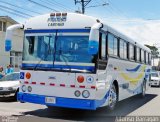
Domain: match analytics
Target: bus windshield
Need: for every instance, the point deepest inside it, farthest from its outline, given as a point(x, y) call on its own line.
point(64, 49)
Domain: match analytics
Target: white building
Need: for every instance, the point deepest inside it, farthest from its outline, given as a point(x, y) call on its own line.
point(13, 57)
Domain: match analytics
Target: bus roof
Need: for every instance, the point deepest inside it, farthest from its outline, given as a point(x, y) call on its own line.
point(72, 21)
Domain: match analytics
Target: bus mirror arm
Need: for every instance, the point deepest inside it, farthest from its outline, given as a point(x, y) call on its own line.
point(9, 35)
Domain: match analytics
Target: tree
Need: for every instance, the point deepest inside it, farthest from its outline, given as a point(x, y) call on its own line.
point(154, 50)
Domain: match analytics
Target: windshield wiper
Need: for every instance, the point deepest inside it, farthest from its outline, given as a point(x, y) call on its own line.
point(55, 51)
point(48, 52)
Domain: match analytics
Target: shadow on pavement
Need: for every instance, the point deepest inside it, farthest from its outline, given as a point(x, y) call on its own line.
point(123, 108)
point(7, 99)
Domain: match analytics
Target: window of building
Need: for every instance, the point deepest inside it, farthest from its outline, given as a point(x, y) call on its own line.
point(0, 25)
point(15, 59)
point(4, 26)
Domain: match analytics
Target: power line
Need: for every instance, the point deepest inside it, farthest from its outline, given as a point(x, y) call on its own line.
point(19, 7)
point(42, 5)
point(61, 5)
point(15, 10)
point(13, 13)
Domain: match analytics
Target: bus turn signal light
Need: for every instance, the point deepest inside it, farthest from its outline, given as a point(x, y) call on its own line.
point(80, 79)
point(28, 75)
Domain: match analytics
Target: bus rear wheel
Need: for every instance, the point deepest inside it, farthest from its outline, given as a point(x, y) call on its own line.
point(143, 93)
point(113, 98)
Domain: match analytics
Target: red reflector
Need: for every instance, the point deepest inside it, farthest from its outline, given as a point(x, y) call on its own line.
point(42, 83)
point(82, 86)
point(52, 84)
point(63, 85)
point(33, 82)
point(72, 86)
point(26, 82)
point(93, 87)
point(80, 79)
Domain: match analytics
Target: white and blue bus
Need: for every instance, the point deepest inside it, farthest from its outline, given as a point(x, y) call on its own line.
point(76, 61)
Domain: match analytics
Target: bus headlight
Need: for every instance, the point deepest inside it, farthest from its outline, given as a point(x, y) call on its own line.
point(85, 94)
point(29, 88)
point(77, 93)
point(23, 88)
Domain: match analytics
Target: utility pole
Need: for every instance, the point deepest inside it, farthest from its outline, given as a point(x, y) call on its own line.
point(84, 3)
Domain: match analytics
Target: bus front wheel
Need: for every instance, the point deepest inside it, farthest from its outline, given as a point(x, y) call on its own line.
point(113, 98)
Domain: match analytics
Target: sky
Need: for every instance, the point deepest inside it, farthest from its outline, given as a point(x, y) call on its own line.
point(138, 19)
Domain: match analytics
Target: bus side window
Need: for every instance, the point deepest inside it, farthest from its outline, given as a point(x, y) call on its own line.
point(110, 44)
point(125, 50)
point(149, 58)
point(142, 56)
point(147, 62)
point(121, 48)
point(103, 47)
point(138, 54)
point(115, 46)
point(131, 52)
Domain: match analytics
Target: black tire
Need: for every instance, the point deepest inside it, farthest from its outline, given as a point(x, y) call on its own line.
point(15, 96)
point(143, 87)
point(113, 98)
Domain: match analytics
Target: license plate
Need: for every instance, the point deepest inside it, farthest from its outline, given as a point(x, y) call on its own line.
point(50, 100)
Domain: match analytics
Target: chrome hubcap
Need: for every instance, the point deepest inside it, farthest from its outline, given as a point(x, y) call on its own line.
point(112, 97)
point(144, 89)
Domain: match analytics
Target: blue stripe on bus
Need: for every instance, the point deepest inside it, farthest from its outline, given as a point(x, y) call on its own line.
point(63, 102)
point(134, 69)
point(58, 30)
point(48, 66)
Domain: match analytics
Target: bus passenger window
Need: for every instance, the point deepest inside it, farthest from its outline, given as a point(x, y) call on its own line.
point(138, 54)
point(125, 50)
point(115, 46)
point(142, 56)
point(103, 46)
point(110, 44)
point(121, 48)
point(131, 52)
point(147, 58)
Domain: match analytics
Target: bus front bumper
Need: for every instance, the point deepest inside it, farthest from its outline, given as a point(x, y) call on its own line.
point(61, 102)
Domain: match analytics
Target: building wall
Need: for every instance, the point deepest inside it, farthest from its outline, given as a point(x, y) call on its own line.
point(17, 45)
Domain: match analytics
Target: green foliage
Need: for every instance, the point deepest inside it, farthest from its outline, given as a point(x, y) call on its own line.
point(154, 50)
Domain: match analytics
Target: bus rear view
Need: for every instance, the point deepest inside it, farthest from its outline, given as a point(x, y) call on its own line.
point(75, 61)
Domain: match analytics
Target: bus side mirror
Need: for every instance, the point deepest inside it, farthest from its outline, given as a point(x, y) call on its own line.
point(93, 47)
point(8, 45)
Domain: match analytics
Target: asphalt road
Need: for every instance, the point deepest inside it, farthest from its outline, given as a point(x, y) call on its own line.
point(134, 106)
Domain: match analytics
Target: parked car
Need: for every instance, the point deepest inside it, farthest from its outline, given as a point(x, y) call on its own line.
point(155, 79)
point(9, 84)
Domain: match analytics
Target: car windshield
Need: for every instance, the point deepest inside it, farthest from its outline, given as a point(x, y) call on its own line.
point(68, 49)
point(154, 74)
point(10, 77)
